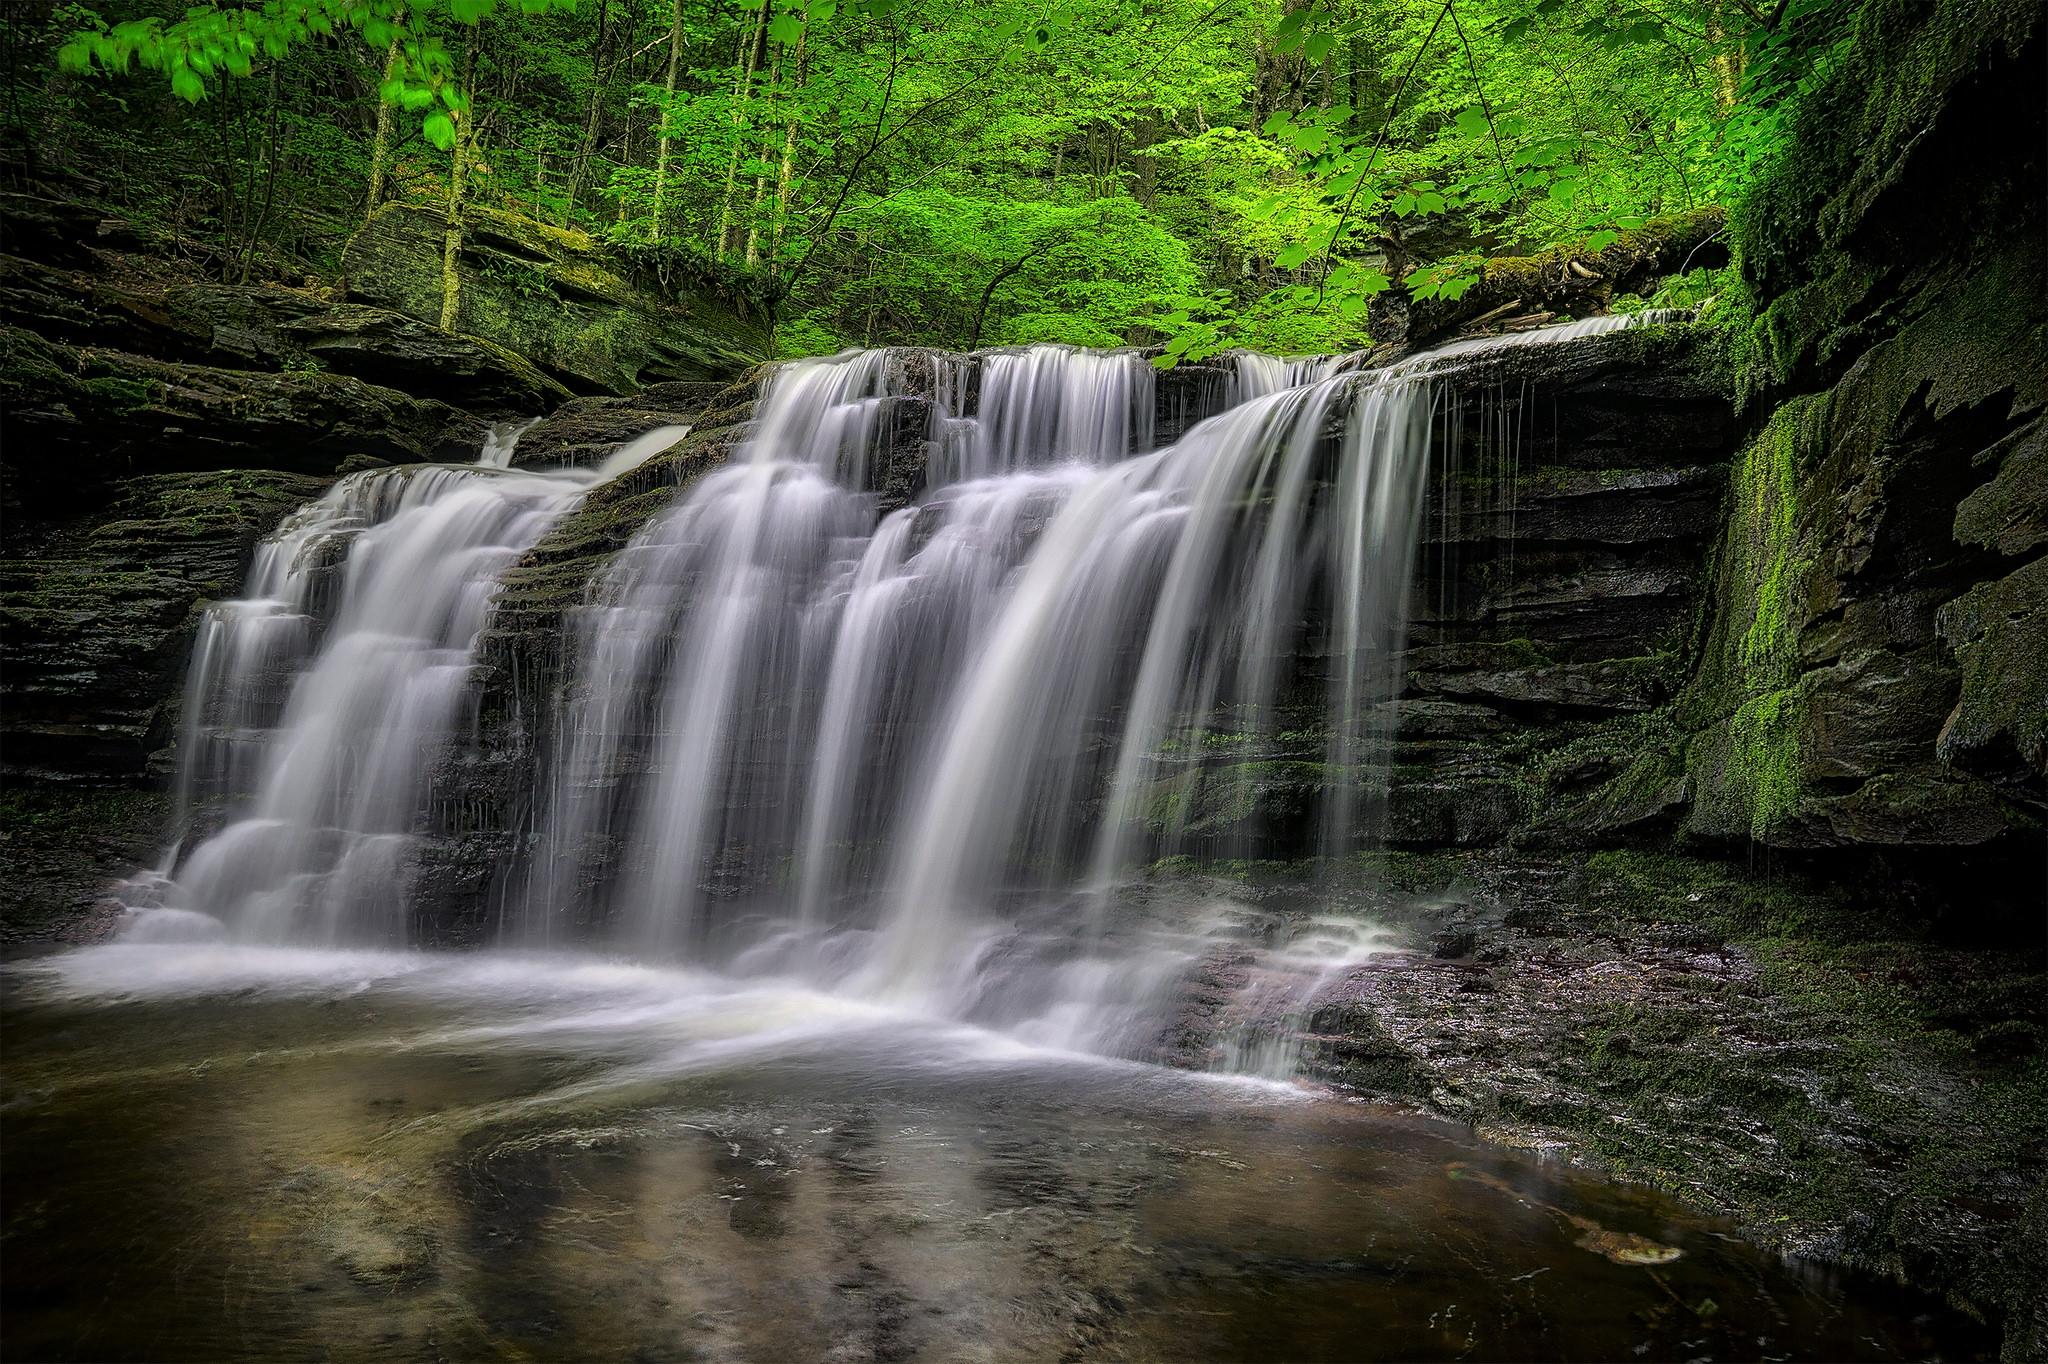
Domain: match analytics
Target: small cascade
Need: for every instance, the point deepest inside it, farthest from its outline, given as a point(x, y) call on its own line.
point(639, 450)
point(1253, 375)
point(317, 704)
point(501, 442)
point(1050, 404)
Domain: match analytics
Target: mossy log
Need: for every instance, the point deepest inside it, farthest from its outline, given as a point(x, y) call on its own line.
point(1566, 281)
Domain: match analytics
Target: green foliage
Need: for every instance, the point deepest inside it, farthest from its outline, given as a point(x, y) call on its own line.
point(215, 41)
point(1115, 171)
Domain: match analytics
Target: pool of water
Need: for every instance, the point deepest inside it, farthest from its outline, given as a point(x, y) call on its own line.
point(215, 1153)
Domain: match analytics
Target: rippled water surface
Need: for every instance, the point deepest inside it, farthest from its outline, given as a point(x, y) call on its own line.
point(218, 1153)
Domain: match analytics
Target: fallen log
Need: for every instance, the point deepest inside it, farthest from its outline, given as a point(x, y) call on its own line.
point(1566, 281)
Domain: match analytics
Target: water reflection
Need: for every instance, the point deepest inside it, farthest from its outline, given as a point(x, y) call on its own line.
point(232, 1154)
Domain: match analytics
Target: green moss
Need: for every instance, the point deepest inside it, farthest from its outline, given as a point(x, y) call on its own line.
point(1233, 797)
point(121, 394)
point(1767, 510)
point(1885, 86)
point(1764, 758)
point(1865, 1051)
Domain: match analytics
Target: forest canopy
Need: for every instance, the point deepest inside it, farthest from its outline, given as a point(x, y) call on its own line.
point(1201, 173)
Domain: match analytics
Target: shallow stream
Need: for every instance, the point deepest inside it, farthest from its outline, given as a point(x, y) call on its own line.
point(219, 1152)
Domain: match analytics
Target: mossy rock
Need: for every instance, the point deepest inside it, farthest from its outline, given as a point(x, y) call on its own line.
point(595, 319)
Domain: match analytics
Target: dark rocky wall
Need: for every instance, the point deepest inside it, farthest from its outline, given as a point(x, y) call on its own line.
point(1875, 679)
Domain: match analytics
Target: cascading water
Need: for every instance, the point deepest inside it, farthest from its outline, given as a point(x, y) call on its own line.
point(317, 704)
point(914, 756)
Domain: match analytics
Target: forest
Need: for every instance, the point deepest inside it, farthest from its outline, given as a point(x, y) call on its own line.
point(1096, 172)
point(1212, 681)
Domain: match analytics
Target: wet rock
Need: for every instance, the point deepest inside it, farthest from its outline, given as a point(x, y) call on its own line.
point(1185, 395)
point(1627, 1018)
point(97, 614)
point(1999, 727)
point(59, 844)
point(75, 421)
point(586, 431)
point(1455, 943)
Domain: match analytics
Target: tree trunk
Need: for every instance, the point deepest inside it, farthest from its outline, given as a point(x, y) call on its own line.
point(1145, 132)
point(753, 256)
point(593, 115)
point(664, 147)
point(451, 237)
point(380, 145)
point(994, 282)
point(785, 181)
point(750, 62)
point(261, 218)
point(458, 182)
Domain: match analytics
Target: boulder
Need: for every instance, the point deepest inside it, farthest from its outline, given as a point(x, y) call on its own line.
point(599, 320)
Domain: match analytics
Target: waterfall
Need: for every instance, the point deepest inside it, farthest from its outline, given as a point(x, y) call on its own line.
point(912, 731)
point(914, 755)
point(317, 704)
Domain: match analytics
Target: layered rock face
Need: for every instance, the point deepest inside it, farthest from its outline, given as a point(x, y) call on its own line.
point(1875, 678)
point(600, 321)
point(154, 427)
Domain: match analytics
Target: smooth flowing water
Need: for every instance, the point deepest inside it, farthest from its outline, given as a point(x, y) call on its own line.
point(912, 757)
point(226, 1152)
point(317, 703)
point(913, 754)
point(862, 753)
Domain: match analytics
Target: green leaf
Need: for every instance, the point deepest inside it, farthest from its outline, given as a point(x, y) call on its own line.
point(1602, 239)
point(1472, 123)
point(186, 85)
point(440, 130)
point(785, 28)
point(1293, 255)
